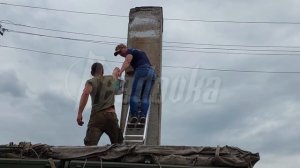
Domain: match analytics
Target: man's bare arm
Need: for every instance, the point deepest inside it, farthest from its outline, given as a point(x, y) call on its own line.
point(83, 101)
point(126, 63)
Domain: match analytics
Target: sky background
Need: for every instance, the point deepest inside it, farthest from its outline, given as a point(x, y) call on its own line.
point(258, 112)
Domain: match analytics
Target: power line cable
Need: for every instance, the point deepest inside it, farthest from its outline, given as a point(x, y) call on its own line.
point(57, 30)
point(170, 42)
point(233, 53)
point(167, 66)
point(170, 19)
point(57, 54)
point(64, 38)
point(235, 70)
point(63, 10)
point(234, 45)
point(235, 22)
point(232, 49)
point(166, 49)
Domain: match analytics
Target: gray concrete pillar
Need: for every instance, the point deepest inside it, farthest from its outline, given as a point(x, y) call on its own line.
point(145, 30)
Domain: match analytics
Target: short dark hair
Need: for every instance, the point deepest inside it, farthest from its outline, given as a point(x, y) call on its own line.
point(97, 67)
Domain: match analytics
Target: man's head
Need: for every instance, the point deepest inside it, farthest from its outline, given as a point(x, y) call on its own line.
point(97, 69)
point(121, 49)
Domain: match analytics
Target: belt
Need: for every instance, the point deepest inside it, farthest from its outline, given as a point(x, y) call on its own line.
point(144, 66)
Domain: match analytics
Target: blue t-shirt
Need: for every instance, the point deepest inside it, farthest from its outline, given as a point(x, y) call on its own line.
point(139, 58)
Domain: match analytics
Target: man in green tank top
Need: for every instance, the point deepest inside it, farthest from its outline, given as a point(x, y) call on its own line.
point(103, 118)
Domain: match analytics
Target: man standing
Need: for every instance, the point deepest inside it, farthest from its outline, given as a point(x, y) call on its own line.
point(103, 118)
point(143, 80)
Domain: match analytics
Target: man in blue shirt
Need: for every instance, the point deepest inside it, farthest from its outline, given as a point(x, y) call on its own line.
point(143, 80)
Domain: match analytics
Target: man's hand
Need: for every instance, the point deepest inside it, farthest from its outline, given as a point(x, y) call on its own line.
point(79, 120)
point(120, 73)
point(116, 72)
point(83, 100)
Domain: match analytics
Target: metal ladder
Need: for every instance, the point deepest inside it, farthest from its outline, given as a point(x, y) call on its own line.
point(136, 135)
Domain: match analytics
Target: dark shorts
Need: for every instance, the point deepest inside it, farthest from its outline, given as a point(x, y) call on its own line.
point(103, 122)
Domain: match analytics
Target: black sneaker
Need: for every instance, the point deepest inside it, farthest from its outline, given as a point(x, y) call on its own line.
point(142, 120)
point(133, 120)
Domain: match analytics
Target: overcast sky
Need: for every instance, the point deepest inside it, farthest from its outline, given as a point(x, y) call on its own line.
point(258, 112)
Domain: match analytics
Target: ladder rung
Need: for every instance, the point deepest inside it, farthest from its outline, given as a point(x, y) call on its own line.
point(133, 141)
point(134, 135)
point(135, 128)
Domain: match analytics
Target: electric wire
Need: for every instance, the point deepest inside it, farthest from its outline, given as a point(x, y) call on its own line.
point(166, 66)
point(169, 19)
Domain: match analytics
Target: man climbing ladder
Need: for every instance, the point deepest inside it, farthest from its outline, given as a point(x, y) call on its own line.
point(143, 81)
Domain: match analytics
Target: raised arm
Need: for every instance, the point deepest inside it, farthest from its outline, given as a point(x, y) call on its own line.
point(126, 63)
point(83, 101)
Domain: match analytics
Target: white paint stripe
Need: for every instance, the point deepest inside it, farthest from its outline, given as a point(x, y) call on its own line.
point(148, 33)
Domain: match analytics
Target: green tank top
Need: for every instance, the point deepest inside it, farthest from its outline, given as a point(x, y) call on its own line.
point(103, 92)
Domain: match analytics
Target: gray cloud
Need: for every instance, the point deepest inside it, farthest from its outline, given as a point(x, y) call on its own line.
point(254, 111)
point(10, 84)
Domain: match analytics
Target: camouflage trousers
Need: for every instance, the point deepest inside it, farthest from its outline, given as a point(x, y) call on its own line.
point(103, 122)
